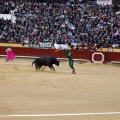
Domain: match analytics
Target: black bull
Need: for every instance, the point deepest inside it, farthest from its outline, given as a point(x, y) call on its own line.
point(46, 61)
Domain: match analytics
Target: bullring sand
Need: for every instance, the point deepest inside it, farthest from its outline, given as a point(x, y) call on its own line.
point(42, 94)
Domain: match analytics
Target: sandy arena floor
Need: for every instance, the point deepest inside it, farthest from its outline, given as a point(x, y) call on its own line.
point(93, 93)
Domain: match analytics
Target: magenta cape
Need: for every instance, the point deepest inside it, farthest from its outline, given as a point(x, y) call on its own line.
point(10, 55)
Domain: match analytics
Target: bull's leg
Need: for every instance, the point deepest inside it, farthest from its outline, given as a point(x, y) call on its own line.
point(52, 67)
point(39, 66)
point(36, 67)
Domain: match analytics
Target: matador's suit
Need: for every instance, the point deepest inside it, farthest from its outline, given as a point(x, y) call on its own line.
point(69, 55)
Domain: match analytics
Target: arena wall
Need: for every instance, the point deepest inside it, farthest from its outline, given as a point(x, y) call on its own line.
point(79, 55)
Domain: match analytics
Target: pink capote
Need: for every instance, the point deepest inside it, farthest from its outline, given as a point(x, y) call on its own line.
point(10, 55)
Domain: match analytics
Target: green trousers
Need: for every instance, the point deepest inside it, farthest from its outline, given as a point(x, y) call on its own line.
point(71, 63)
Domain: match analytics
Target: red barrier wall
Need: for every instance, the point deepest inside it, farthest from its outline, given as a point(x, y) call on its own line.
point(109, 56)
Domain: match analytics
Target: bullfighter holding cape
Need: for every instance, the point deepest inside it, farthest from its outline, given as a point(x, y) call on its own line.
point(10, 54)
point(69, 55)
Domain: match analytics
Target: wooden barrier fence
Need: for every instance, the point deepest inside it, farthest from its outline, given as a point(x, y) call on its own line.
point(79, 55)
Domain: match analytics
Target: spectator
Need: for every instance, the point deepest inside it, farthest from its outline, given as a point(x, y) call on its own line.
point(60, 22)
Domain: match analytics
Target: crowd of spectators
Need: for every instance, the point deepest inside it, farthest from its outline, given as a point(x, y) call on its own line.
point(60, 22)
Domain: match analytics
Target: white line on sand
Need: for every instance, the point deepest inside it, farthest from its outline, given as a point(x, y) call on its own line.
point(58, 115)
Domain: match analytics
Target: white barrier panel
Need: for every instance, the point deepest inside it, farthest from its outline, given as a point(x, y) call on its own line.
point(41, 45)
point(104, 2)
point(45, 45)
point(9, 17)
point(95, 53)
point(6, 16)
point(60, 46)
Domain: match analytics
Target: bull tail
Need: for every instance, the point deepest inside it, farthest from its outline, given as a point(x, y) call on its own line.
point(33, 63)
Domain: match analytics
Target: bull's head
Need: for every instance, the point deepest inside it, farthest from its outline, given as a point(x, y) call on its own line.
point(57, 62)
